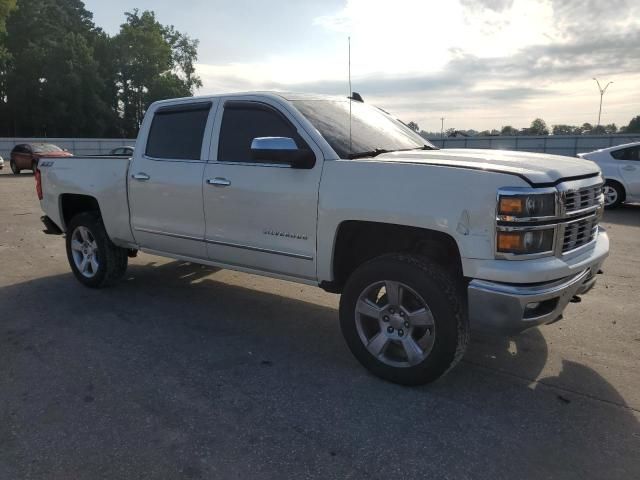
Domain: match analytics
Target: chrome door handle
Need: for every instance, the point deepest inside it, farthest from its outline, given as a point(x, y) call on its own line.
point(218, 182)
point(629, 168)
point(143, 177)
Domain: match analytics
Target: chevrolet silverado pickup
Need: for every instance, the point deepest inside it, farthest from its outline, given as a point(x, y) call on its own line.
point(424, 245)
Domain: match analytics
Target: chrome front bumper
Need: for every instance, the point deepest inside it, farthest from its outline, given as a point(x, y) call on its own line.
point(510, 308)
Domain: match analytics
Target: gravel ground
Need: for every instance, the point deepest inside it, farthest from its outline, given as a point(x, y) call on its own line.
point(183, 371)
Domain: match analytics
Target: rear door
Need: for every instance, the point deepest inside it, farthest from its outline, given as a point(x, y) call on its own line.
point(260, 215)
point(628, 163)
point(165, 179)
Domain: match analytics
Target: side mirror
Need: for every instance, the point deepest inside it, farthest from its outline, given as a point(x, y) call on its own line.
point(281, 150)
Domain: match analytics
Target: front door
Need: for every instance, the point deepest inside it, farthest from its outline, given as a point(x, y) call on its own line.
point(260, 215)
point(165, 184)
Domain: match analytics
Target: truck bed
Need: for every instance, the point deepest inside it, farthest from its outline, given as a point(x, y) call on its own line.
point(101, 177)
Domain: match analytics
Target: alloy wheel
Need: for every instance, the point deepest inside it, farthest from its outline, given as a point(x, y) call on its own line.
point(395, 324)
point(84, 250)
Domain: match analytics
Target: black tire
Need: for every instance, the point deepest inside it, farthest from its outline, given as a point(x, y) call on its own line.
point(443, 294)
point(619, 191)
point(14, 167)
point(112, 260)
point(34, 166)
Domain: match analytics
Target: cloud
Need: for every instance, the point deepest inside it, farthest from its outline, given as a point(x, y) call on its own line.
point(496, 5)
point(479, 59)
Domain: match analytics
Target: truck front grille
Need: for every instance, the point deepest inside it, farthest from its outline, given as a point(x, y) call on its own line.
point(579, 233)
point(583, 198)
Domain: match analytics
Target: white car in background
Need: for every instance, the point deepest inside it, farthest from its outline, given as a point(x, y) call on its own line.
point(621, 169)
point(1, 163)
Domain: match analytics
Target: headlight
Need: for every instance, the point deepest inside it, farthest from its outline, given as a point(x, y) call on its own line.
point(525, 242)
point(526, 206)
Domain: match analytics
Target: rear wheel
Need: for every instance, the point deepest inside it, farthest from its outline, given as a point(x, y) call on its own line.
point(14, 167)
point(404, 319)
point(95, 261)
point(613, 194)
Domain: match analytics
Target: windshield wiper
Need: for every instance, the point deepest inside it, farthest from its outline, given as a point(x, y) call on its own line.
point(380, 151)
point(370, 153)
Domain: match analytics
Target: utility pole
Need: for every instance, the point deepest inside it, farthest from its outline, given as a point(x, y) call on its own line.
point(602, 91)
point(442, 128)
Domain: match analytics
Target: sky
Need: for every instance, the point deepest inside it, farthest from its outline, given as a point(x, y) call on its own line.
point(480, 64)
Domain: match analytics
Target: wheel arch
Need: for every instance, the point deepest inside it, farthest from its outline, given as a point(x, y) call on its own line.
point(358, 241)
point(72, 204)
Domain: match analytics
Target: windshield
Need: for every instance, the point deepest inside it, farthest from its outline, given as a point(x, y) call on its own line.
point(46, 148)
point(372, 130)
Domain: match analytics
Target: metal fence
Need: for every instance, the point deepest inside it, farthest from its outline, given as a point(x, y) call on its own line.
point(77, 146)
point(568, 145)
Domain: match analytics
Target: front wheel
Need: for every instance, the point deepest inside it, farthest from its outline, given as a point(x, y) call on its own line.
point(95, 261)
point(14, 167)
point(404, 318)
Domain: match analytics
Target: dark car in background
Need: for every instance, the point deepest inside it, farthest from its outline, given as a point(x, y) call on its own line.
point(122, 152)
point(25, 156)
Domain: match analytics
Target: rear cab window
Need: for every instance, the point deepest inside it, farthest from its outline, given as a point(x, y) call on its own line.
point(177, 132)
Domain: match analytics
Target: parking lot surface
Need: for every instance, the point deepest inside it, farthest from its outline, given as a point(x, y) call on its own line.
point(182, 371)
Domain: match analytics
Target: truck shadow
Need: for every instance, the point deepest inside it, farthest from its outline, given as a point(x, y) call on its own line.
point(177, 349)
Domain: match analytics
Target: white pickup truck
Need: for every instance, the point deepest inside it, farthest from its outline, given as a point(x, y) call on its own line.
point(423, 244)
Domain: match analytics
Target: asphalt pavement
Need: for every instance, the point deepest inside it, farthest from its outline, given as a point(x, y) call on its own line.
point(183, 371)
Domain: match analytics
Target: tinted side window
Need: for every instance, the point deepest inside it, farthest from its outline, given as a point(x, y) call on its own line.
point(177, 132)
point(631, 153)
point(244, 121)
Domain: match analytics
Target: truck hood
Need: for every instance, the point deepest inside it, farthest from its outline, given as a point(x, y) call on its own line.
point(539, 169)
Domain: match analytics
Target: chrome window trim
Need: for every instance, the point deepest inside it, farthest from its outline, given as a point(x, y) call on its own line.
point(251, 164)
point(173, 160)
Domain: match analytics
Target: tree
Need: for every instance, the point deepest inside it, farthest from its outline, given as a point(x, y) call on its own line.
point(6, 7)
point(634, 125)
point(538, 127)
point(565, 130)
point(63, 76)
point(509, 130)
point(585, 129)
point(52, 83)
point(154, 63)
point(413, 126)
point(611, 129)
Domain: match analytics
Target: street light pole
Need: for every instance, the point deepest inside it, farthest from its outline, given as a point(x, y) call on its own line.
point(602, 91)
point(442, 128)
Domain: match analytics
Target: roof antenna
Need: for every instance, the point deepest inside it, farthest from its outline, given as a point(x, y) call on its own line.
point(350, 100)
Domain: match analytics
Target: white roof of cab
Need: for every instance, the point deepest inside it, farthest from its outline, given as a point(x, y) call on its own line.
point(291, 96)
